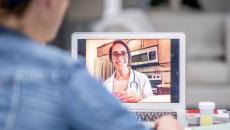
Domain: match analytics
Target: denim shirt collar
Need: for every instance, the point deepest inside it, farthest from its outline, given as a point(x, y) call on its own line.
point(9, 31)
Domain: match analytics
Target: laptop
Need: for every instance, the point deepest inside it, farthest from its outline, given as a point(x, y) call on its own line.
point(159, 56)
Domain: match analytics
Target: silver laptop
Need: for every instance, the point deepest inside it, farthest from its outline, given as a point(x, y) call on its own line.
point(160, 56)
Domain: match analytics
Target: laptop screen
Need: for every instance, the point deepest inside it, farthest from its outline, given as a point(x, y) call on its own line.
point(150, 74)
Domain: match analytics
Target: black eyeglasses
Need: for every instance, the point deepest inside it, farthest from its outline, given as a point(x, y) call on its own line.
point(116, 54)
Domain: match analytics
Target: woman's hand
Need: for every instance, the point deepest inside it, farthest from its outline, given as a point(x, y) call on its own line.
point(127, 97)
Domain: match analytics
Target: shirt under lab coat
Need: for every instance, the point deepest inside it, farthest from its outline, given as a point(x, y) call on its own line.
point(142, 89)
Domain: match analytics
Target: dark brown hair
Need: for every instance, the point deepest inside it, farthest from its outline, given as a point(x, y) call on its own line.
point(122, 43)
point(15, 7)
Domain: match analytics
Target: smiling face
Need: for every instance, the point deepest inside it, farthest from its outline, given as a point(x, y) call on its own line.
point(120, 57)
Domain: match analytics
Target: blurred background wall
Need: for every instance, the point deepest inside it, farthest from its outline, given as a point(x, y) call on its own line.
point(206, 24)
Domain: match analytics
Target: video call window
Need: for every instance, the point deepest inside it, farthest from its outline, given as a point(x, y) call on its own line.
point(153, 67)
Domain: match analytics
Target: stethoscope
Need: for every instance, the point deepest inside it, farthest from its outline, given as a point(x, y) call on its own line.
point(133, 84)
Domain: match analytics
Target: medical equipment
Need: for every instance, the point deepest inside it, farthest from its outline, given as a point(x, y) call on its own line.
point(134, 84)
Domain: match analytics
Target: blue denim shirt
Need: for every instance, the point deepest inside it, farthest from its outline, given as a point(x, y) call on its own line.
point(41, 88)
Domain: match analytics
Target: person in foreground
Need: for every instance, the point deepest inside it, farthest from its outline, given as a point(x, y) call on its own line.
point(128, 85)
point(41, 88)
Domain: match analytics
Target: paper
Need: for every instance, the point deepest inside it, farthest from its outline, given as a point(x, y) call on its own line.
point(224, 126)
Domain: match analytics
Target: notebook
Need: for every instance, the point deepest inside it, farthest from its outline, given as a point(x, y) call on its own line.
point(158, 56)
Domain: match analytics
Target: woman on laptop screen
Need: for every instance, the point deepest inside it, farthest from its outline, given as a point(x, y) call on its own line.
point(127, 85)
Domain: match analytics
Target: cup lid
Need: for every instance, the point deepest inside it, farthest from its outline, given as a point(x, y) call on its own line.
point(206, 105)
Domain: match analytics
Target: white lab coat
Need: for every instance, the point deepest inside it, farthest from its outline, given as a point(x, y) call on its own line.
point(143, 89)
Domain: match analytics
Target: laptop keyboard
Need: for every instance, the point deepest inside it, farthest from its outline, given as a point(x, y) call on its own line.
point(152, 116)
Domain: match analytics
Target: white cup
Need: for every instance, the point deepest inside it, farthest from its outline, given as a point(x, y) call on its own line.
point(206, 113)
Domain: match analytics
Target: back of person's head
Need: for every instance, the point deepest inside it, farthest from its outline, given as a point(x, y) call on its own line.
point(122, 43)
point(15, 7)
point(38, 19)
